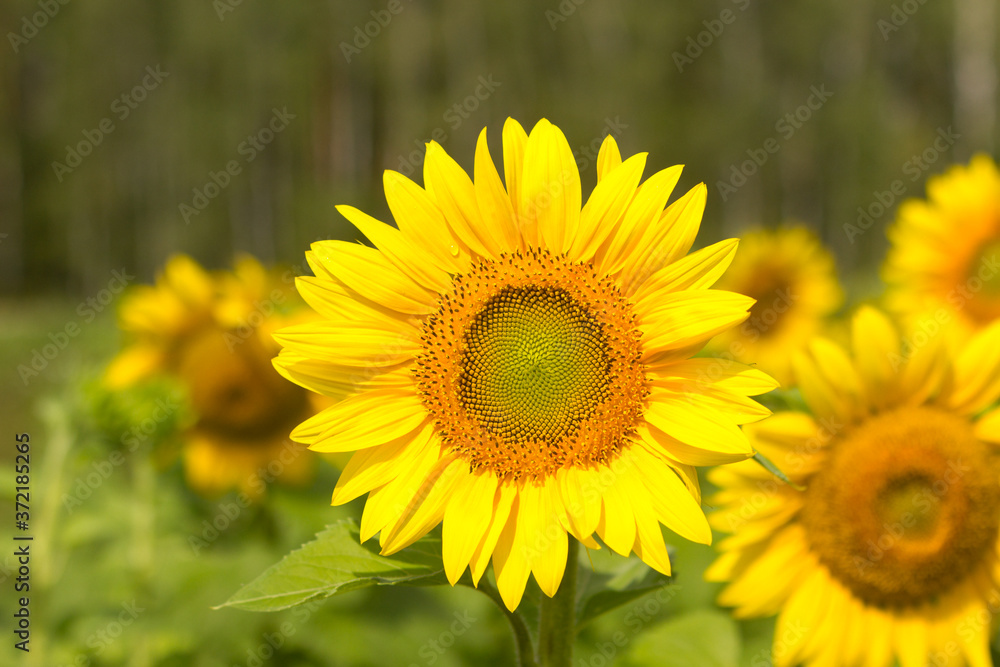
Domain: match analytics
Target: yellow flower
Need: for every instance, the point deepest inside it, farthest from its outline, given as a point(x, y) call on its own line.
point(213, 332)
point(520, 364)
point(794, 280)
point(892, 548)
point(945, 256)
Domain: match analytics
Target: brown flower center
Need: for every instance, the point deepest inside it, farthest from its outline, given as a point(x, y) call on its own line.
point(907, 505)
point(234, 390)
point(531, 363)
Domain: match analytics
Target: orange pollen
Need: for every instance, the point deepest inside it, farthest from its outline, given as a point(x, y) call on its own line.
point(530, 364)
point(906, 506)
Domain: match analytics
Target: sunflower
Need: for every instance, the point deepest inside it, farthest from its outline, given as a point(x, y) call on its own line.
point(213, 333)
point(945, 252)
point(519, 366)
point(794, 280)
point(892, 548)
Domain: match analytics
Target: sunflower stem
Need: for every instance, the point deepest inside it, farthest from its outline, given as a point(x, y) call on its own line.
point(557, 626)
point(522, 638)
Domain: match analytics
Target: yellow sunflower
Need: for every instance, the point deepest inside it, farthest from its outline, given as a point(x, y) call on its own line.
point(945, 254)
point(892, 548)
point(213, 332)
point(794, 280)
point(519, 363)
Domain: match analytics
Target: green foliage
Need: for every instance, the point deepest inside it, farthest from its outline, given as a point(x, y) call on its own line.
point(336, 562)
point(705, 638)
point(612, 582)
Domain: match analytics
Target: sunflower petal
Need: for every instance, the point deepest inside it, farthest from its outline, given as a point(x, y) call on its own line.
point(608, 157)
point(348, 424)
point(643, 213)
point(503, 502)
point(426, 509)
point(452, 189)
point(678, 320)
point(494, 204)
point(420, 219)
point(606, 206)
point(514, 141)
point(688, 420)
point(699, 270)
point(550, 191)
point(395, 246)
point(466, 521)
point(356, 264)
point(510, 561)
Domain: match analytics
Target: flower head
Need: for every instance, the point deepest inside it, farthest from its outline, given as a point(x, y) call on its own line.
point(518, 363)
point(794, 280)
point(944, 262)
point(213, 333)
point(891, 549)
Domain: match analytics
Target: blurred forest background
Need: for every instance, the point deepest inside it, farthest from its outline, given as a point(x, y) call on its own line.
point(131, 131)
point(366, 96)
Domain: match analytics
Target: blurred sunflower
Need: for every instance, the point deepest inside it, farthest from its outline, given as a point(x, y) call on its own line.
point(794, 281)
point(520, 367)
point(945, 251)
point(213, 333)
point(892, 549)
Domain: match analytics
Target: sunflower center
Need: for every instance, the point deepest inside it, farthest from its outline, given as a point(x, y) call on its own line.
point(534, 364)
point(907, 505)
point(233, 388)
point(531, 363)
point(774, 298)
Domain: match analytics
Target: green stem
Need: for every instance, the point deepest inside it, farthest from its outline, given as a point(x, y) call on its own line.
point(557, 628)
point(522, 638)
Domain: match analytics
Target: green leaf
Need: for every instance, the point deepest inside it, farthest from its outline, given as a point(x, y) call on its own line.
point(776, 471)
point(609, 581)
point(336, 562)
point(706, 638)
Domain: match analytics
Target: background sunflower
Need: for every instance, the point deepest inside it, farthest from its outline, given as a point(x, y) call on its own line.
point(794, 281)
point(212, 333)
point(890, 551)
point(944, 262)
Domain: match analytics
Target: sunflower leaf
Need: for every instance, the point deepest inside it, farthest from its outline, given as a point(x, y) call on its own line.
point(608, 581)
point(336, 562)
